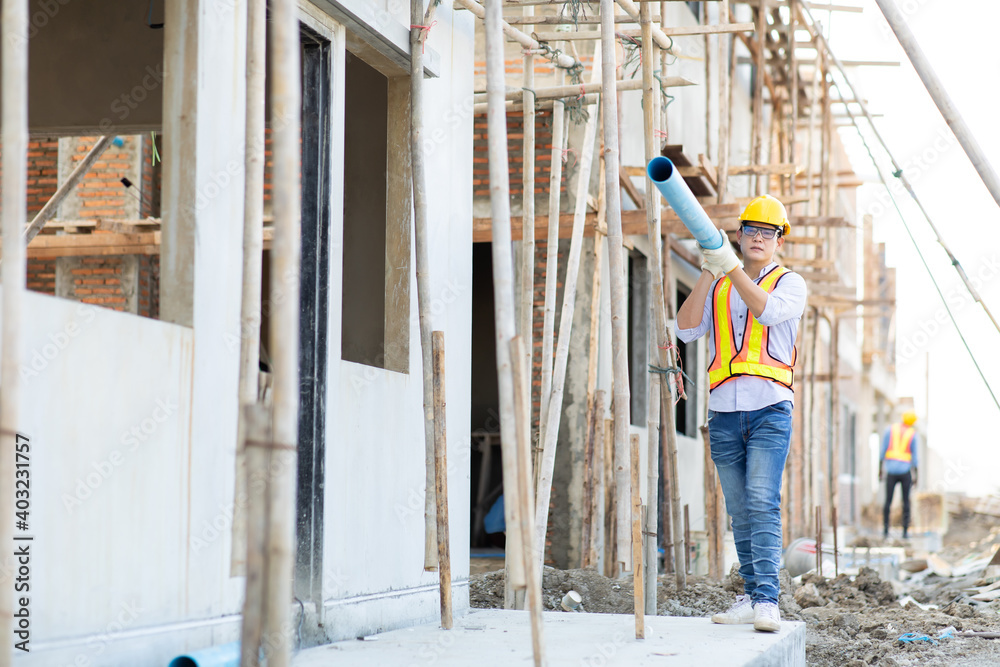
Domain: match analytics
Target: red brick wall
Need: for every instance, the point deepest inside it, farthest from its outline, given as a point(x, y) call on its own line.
point(43, 177)
point(42, 275)
point(149, 286)
point(515, 153)
point(101, 193)
point(43, 171)
point(151, 178)
point(98, 281)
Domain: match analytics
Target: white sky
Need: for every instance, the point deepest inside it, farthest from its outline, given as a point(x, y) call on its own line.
point(959, 40)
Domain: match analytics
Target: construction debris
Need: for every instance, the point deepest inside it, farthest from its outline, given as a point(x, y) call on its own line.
point(851, 620)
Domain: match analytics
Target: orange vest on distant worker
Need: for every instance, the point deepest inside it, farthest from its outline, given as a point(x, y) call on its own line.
point(752, 357)
point(900, 440)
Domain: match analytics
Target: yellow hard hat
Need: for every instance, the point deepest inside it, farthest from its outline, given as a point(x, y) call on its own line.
point(769, 211)
point(909, 417)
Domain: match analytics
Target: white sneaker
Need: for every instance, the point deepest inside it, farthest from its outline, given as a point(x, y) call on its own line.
point(740, 612)
point(766, 617)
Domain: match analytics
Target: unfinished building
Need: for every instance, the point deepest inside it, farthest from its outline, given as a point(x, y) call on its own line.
point(133, 322)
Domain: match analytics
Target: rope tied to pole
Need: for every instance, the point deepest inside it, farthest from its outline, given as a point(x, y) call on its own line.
point(422, 38)
point(675, 375)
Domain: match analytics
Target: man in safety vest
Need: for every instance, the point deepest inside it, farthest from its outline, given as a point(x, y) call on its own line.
point(898, 465)
point(751, 316)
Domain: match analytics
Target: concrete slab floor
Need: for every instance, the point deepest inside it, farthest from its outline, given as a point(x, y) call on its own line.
point(492, 637)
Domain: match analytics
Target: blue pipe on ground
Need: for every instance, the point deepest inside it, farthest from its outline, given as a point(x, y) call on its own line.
point(671, 185)
point(227, 655)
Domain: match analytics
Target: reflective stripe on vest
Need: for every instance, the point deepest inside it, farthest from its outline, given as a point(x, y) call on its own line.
point(752, 358)
point(900, 439)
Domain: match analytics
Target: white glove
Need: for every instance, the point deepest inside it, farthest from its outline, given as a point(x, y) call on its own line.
point(721, 260)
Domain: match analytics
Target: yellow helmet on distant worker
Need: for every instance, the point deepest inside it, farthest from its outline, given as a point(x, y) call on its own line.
point(769, 211)
point(909, 417)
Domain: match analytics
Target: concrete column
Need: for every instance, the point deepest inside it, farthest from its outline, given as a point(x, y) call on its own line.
point(201, 260)
point(182, 67)
point(566, 520)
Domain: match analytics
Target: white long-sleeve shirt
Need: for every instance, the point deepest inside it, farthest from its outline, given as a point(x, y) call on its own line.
point(784, 308)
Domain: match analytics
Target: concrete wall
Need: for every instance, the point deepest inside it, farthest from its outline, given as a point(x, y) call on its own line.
point(107, 405)
point(132, 560)
point(374, 533)
point(140, 572)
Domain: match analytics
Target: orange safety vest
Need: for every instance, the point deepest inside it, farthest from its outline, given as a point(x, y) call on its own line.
point(752, 357)
point(900, 439)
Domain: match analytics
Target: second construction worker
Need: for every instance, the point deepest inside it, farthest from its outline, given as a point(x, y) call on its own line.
point(897, 464)
point(751, 315)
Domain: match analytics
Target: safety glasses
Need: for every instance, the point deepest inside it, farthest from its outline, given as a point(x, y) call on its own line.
point(765, 232)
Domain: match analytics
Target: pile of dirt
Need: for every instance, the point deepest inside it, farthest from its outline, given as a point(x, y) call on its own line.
point(602, 595)
point(865, 590)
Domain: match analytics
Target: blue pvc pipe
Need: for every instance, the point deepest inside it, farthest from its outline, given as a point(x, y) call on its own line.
point(227, 655)
point(673, 188)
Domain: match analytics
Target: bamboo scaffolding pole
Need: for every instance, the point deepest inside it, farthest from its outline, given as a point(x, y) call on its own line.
point(480, 108)
point(503, 294)
point(834, 470)
point(560, 60)
point(819, 540)
point(602, 463)
point(257, 434)
point(836, 553)
point(652, 483)
point(940, 96)
point(722, 162)
point(253, 259)
point(418, 35)
point(285, 258)
point(554, 410)
point(659, 32)
point(518, 3)
point(797, 453)
point(821, 42)
point(533, 575)
point(441, 480)
point(527, 282)
point(616, 266)
point(793, 76)
point(665, 357)
point(576, 90)
point(711, 507)
point(560, 20)
point(687, 538)
point(52, 205)
point(756, 148)
point(667, 464)
point(687, 31)
point(709, 62)
point(812, 208)
point(597, 506)
point(815, 488)
point(587, 516)
point(552, 260)
point(638, 590)
point(662, 120)
point(610, 499)
point(650, 121)
point(826, 138)
point(13, 269)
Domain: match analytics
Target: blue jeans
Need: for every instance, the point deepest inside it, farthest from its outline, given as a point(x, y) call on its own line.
point(749, 450)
